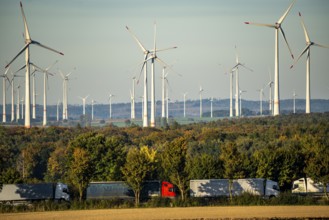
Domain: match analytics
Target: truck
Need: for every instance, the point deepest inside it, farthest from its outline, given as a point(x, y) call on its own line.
point(226, 187)
point(121, 190)
point(12, 193)
point(306, 186)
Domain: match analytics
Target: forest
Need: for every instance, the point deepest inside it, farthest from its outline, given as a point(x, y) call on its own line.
point(282, 148)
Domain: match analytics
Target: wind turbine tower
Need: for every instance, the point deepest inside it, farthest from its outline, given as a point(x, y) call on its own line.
point(28, 42)
point(307, 50)
point(200, 93)
point(4, 78)
point(277, 26)
point(294, 96)
point(17, 104)
point(110, 99)
point(185, 104)
point(241, 91)
point(132, 99)
point(84, 104)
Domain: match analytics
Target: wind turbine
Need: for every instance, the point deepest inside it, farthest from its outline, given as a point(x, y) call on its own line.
point(261, 94)
point(240, 93)
point(65, 82)
point(4, 78)
point(12, 96)
point(211, 101)
point(231, 91)
point(92, 109)
point(132, 100)
point(269, 84)
point(110, 99)
point(45, 83)
point(184, 94)
point(33, 87)
point(57, 113)
point(152, 57)
point(22, 105)
point(294, 96)
point(200, 93)
point(84, 104)
point(28, 42)
point(307, 50)
point(17, 105)
point(237, 86)
point(277, 27)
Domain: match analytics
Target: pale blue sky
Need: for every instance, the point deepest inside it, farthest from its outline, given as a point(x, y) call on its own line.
point(93, 37)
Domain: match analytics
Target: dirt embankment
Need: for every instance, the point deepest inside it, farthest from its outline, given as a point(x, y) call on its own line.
point(249, 212)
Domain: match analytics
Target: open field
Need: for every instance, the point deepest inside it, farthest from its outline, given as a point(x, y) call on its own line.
point(181, 213)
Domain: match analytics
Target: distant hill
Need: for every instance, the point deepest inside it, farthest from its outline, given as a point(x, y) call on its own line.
point(176, 109)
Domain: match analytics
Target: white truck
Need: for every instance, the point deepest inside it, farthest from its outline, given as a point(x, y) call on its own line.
point(13, 193)
point(225, 187)
point(306, 186)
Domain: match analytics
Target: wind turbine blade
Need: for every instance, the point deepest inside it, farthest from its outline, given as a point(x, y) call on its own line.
point(259, 24)
point(307, 38)
point(286, 13)
point(145, 60)
point(62, 75)
point(49, 67)
point(155, 34)
point(164, 64)
point(20, 52)
point(20, 69)
point(46, 47)
point(319, 45)
point(285, 39)
point(302, 53)
point(246, 67)
point(160, 50)
point(136, 39)
point(27, 33)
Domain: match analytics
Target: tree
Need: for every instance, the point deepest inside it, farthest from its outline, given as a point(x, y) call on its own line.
point(139, 163)
point(79, 170)
point(317, 160)
point(233, 163)
point(173, 162)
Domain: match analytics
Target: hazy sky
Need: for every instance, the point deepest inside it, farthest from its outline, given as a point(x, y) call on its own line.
point(93, 37)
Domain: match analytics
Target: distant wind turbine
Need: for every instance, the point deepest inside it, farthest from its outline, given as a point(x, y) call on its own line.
point(261, 94)
point(17, 105)
point(92, 109)
point(110, 99)
point(200, 93)
point(65, 82)
point(240, 92)
point(307, 50)
point(14, 75)
point(57, 113)
point(46, 73)
point(269, 84)
point(28, 42)
point(184, 94)
point(4, 78)
point(211, 101)
point(277, 27)
point(231, 72)
point(84, 104)
point(132, 99)
point(294, 96)
point(237, 86)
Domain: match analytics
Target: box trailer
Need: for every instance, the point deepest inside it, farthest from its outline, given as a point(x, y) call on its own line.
point(121, 190)
point(307, 186)
point(34, 192)
point(225, 187)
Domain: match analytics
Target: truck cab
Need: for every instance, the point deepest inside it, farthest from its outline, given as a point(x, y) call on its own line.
point(62, 192)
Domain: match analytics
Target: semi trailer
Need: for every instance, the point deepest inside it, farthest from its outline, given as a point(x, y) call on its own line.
point(33, 192)
point(226, 187)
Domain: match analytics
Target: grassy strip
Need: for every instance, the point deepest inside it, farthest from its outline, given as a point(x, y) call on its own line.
point(243, 200)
